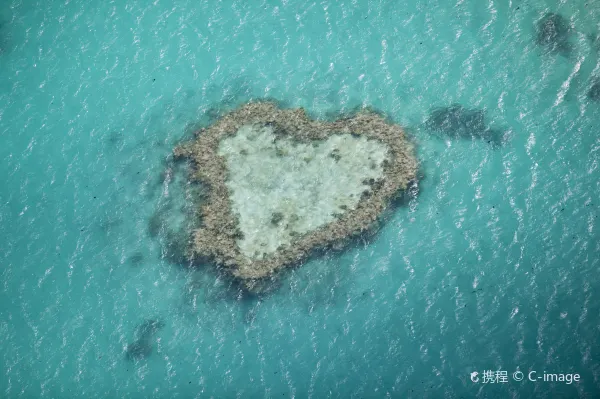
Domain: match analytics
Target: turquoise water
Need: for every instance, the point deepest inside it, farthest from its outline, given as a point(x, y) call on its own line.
point(494, 265)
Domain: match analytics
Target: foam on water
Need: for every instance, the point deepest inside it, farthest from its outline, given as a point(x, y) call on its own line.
point(493, 265)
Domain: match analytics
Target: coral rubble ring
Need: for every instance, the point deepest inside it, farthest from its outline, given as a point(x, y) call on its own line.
point(281, 185)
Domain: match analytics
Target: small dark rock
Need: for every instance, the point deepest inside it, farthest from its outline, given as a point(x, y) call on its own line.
point(278, 131)
point(368, 182)
point(276, 217)
point(238, 235)
point(335, 154)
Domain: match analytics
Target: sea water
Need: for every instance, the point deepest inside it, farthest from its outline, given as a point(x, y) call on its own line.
point(492, 266)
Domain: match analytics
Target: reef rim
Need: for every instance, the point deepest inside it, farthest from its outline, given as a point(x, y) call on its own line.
point(215, 239)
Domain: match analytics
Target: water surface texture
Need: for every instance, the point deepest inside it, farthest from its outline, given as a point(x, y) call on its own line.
point(494, 265)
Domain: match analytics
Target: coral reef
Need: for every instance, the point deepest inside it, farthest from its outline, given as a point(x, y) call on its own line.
point(553, 34)
point(281, 185)
point(148, 328)
point(138, 350)
point(594, 91)
point(457, 121)
point(141, 348)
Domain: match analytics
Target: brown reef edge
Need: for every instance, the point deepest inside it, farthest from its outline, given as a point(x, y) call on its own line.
point(215, 238)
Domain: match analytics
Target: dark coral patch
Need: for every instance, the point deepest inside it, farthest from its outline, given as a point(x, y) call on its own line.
point(136, 259)
point(138, 350)
point(458, 122)
point(594, 91)
point(141, 348)
point(553, 34)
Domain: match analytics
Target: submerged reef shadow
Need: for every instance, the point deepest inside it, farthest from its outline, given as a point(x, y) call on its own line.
point(155, 223)
point(553, 34)
point(148, 328)
point(4, 36)
point(174, 240)
point(208, 291)
point(110, 222)
point(458, 122)
point(176, 247)
point(226, 287)
point(175, 214)
point(593, 92)
point(144, 333)
point(136, 259)
point(594, 39)
point(115, 140)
